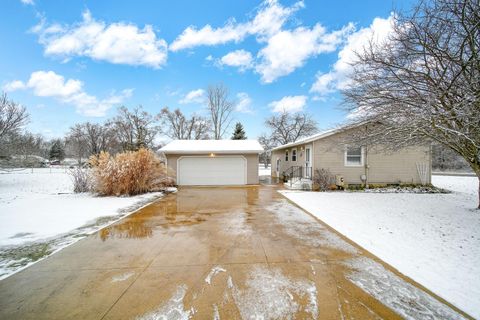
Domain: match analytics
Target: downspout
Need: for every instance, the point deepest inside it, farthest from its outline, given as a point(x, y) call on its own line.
point(367, 166)
point(312, 159)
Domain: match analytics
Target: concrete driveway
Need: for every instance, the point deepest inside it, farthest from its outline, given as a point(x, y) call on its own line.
point(216, 253)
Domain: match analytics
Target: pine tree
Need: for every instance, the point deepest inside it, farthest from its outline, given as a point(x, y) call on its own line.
point(239, 133)
point(57, 151)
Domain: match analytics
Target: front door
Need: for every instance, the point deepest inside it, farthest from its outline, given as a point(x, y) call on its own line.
point(308, 162)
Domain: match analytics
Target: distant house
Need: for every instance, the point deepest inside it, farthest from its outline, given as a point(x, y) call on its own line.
point(352, 164)
point(213, 162)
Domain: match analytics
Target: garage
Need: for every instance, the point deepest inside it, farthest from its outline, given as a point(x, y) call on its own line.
point(213, 162)
point(219, 170)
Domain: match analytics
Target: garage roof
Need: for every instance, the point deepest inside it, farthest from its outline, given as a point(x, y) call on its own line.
point(212, 146)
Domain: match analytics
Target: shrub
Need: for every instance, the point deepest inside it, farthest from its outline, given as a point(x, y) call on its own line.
point(82, 180)
point(355, 187)
point(129, 173)
point(323, 180)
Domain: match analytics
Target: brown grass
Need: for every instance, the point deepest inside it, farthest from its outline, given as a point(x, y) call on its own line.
point(129, 173)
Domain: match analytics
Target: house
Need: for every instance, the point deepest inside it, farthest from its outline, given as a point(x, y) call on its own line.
point(351, 164)
point(213, 162)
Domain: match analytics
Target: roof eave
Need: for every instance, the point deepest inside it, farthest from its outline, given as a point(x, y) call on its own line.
point(211, 151)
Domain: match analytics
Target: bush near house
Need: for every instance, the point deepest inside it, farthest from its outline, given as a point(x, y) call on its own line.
point(323, 180)
point(128, 173)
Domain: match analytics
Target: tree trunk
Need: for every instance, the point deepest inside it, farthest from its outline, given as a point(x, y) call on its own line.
point(478, 193)
point(476, 169)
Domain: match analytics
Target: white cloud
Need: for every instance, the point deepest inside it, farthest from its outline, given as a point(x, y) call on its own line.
point(119, 43)
point(288, 50)
point(70, 91)
point(194, 96)
point(269, 19)
point(14, 85)
point(284, 50)
point(28, 2)
point(239, 58)
point(337, 78)
point(244, 103)
point(289, 104)
point(192, 37)
point(209, 57)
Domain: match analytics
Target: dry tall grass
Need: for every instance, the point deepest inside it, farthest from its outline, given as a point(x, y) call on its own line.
point(128, 173)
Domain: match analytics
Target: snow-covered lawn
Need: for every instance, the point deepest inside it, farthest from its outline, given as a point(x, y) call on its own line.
point(40, 214)
point(432, 238)
point(262, 171)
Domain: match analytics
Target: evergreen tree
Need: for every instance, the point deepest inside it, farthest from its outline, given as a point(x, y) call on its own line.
point(239, 133)
point(57, 150)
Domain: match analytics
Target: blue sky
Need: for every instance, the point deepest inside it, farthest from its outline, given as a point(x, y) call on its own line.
point(76, 61)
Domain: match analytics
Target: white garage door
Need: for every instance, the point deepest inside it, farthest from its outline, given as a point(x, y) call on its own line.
point(207, 171)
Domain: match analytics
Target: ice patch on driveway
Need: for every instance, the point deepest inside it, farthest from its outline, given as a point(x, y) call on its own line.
point(173, 309)
point(236, 225)
point(271, 295)
point(402, 297)
point(213, 272)
point(122, 277)
point(299, 224)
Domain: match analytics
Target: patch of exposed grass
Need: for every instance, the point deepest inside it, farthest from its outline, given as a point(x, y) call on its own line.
point(19, 256)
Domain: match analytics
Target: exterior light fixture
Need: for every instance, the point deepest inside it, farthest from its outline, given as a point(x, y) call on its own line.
point(212, 155)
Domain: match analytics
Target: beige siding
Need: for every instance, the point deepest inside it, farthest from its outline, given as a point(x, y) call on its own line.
point(284, 165)
point(252, 164)
point(329, 153)
point(395, 167)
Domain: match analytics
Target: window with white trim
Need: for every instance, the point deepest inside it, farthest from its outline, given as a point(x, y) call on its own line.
point(294, 154)
point(354, 156)
point(286, 155)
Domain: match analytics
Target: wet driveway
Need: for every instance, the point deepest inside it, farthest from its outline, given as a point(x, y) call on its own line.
point(216, 253)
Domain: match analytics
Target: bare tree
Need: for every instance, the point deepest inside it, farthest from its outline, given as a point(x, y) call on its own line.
point(76, 143)
point(99, 138)
point(445, 159)
point(289, 127)
point(180, 127)
point(220, 107)
point(267, 144)
point(86, 139)
point(12, 116)
point(423, 83)
point(134, 129)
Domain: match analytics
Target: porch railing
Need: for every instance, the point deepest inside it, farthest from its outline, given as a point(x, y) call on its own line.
point(298, 172)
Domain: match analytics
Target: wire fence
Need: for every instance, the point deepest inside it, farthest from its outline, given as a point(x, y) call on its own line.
point(47, 170)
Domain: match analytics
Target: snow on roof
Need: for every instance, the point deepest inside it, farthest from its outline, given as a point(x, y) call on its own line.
point(308, 139)
point(320, 135)
point(212, 146)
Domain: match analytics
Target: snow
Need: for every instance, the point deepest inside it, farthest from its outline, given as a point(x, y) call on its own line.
point(269, 295)
point(122, 277)
point(393, 291)
point(320, 135)
point(40, 207)
point(262, 171)
point(173, 309)
point(213, 272)
point(212, 146)
point(431, 238)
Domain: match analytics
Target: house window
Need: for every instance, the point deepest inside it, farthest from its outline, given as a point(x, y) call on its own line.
point(286, 155)
point(354, 156)
point(294, 154)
